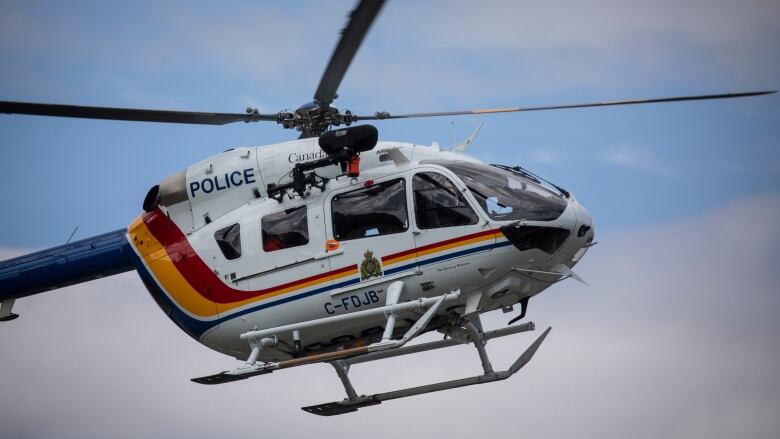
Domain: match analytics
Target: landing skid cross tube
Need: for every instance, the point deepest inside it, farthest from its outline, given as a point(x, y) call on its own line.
point(352, 403)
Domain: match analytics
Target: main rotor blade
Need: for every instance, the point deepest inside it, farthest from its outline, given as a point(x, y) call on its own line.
point(360, 21)
point(131, 114)
point(385, 115)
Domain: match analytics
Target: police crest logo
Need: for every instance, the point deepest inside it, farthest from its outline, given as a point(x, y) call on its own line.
point(370, 266)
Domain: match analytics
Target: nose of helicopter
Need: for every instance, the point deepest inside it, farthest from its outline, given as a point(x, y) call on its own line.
point(582, 233)
point(564, 240)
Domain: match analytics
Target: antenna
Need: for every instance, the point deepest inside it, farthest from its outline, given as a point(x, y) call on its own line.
point(464, 145)
point(71, 235)
point(452, 132)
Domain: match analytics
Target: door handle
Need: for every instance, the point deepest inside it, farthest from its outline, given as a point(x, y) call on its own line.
point(328, 254)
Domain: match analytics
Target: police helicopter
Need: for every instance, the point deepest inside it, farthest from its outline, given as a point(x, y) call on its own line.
point(335, 247)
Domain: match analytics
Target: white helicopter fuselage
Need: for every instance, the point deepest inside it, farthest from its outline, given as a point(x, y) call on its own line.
point(216, 296)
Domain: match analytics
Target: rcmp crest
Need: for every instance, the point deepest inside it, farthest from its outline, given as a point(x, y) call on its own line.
point(370, 266)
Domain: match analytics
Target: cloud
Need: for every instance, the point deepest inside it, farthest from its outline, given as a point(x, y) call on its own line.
point(127, 53)
point(546, 156)
point(635, 157)
point(600, 23)
point(505, 51)
point(8, 253)
point(466, 53)
point(676, 338)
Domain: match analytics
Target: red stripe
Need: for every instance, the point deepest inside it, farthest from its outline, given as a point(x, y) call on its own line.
point(198, 274)
point(437, 244)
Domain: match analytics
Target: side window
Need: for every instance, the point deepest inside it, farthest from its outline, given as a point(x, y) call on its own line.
point(285, 229)
point(229, 241)
point(379, 209)
point(439, 203)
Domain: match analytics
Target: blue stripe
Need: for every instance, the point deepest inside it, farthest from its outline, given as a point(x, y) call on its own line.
point(447, 257)
point(196, 328)
point(193, 327)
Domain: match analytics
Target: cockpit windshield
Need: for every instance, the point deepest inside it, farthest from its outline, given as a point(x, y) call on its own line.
point(506, 196)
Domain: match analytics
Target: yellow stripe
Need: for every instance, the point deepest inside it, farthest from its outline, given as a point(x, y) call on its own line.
point(166, 273)
point(440, 249)
point(225, 307)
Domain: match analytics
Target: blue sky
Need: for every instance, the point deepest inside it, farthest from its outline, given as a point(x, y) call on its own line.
point(685, 198)
point(633, 165)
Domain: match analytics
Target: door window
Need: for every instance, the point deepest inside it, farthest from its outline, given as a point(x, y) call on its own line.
point(285, 229)
point(439, 203)
point(379, 209)
point(229, 241)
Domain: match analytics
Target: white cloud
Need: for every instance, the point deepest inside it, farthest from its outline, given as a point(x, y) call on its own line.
point(635, 157)
point(8, 253)
point(504, 51)
point(546, 156)
point(599, 23)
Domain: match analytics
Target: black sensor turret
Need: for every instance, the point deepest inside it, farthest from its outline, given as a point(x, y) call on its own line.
point(356, 139)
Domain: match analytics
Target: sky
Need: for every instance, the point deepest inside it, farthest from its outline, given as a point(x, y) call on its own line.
point(676, 336)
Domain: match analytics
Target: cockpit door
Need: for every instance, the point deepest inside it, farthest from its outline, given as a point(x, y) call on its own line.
point(447, 228)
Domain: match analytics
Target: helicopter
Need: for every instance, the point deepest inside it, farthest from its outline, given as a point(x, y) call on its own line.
point(335, 247)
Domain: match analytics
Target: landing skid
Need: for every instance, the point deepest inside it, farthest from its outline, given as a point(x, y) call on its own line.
point(353, 402)
point(463, 329)
point(227, 377)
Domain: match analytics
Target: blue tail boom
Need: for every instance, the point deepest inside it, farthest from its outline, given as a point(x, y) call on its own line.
point(69, 264)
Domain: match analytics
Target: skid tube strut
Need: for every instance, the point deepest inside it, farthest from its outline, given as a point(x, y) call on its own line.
point(353, 402)
point(267, 337)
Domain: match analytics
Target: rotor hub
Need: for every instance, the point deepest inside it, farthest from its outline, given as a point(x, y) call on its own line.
point(313, 119)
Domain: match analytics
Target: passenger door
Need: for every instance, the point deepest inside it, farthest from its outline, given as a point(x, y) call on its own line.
point(287, 266)
point(372, 227)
